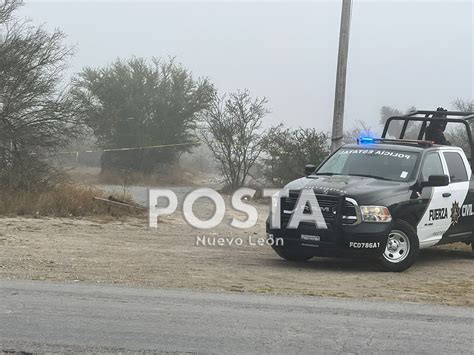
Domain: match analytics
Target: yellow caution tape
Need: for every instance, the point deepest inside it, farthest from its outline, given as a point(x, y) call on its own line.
point(134, 148)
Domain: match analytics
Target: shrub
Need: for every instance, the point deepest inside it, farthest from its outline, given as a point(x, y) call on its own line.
point(287, 152)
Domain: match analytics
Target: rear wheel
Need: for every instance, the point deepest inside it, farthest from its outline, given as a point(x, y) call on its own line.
point(293, 254)
point(402, 248)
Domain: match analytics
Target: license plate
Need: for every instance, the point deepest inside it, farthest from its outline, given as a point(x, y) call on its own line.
point(311, 238)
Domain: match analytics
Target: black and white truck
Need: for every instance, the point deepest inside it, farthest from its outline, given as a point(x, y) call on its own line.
point(385, 198)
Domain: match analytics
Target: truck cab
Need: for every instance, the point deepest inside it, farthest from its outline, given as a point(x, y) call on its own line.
point(380, 198)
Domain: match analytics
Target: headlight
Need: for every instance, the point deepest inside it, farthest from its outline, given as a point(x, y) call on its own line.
point(375, 214)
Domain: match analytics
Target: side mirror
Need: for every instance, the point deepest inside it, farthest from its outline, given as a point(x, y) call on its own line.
point(436, 181)
point(309, 169)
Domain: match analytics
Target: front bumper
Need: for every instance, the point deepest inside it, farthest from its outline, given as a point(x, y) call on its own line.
point(338, 240)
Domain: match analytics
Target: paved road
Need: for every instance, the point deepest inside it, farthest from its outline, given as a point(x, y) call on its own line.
point(40, 316)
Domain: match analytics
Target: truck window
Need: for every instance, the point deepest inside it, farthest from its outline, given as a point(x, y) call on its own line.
point(383, 164)
point(431, 166)
point(457, 169)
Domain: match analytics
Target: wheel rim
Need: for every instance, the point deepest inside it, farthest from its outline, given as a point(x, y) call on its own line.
point(398, 247)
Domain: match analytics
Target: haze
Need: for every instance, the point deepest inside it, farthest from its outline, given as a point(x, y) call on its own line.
point(402, 53)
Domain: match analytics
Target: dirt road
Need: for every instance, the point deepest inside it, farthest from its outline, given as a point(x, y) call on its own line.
point(128, 253)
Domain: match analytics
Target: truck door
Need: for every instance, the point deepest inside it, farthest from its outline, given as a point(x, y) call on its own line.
point(435, 220)
point(461, 212)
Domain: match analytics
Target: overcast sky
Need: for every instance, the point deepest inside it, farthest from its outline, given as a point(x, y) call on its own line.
point(402, 53)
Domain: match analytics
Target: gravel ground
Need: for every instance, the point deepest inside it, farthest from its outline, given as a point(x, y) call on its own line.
point(129, 253)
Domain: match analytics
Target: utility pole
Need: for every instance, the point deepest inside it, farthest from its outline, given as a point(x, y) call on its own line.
point(2, 105)
point(340, 97)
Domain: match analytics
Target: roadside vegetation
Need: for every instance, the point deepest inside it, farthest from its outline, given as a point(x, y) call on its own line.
point(63, 200)
point(37, 115)
point(141, 116)
point(287, 151)
point(232, 130)
point(141, 103)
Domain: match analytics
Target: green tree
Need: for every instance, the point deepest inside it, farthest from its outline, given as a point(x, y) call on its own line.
point(137, 103)
point(287, 151)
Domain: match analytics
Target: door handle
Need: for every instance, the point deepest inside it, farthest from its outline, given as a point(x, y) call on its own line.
point(446, 195)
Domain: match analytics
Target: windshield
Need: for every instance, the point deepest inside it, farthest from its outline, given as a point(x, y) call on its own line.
point(377, 163)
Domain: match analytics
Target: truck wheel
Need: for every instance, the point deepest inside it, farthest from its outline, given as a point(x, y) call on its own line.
point(402, 248)
point(293, 254)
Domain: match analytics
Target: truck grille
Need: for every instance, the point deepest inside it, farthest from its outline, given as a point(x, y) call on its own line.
point(328, 205)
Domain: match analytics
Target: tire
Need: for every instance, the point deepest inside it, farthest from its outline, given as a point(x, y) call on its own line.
point(402, 248)
point(293, 254)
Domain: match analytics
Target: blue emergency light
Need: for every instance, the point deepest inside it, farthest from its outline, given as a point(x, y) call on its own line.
point(366, 140)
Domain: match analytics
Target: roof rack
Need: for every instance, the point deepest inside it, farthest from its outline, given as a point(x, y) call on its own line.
point(428, 116)
point(413, 142)
point(465, 115)
point(464, 118)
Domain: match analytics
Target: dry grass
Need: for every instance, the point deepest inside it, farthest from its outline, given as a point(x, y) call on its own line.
point(61, 201)
point(171, 176)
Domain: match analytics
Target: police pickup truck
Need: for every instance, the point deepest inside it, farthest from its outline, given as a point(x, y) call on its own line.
point(383, 198)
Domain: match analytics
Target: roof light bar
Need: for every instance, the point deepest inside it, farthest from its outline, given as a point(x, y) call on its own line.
point(366, 140)
point(370, 140)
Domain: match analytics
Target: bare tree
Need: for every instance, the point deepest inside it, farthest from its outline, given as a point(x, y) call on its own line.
point(362, 129)
point(37, 116)
point(7, 8)
point(464, 105)
point(232, 129)
point(456, 133)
